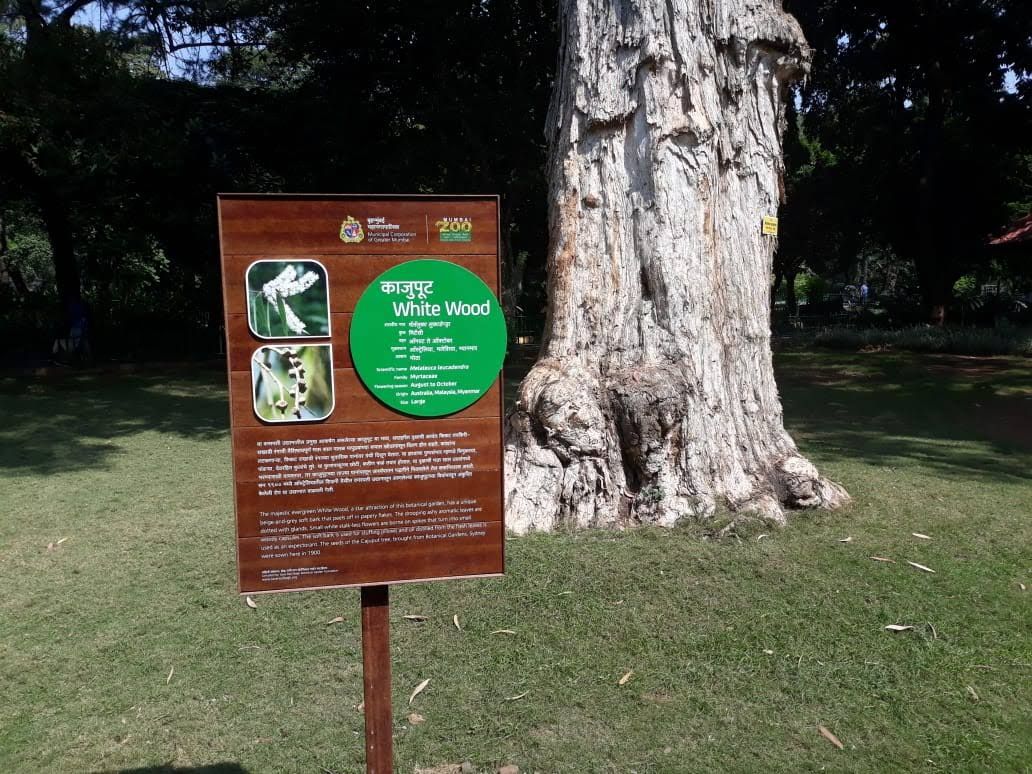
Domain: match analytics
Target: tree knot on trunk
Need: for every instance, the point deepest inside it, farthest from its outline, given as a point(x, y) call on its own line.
point(563, 405)
point(647, 403)
point(777, 37)
point(801, 486)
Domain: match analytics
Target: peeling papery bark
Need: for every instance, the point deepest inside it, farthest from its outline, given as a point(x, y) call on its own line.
point(654, 397)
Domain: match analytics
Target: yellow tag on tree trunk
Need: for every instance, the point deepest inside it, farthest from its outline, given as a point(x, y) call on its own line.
point(770, 225)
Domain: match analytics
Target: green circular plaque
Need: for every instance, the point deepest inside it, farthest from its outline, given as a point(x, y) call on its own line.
point(428, 338)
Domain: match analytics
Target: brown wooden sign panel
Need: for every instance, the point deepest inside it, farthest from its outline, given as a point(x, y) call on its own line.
point(334, 487)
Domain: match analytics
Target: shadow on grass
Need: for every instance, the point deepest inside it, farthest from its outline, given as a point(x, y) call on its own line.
point(968, 417)
point(214, 768)
point(73, 423)
point(964, 416)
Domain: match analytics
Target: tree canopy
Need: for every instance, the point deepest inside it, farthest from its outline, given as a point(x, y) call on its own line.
point(920, 112)
point(119, 121)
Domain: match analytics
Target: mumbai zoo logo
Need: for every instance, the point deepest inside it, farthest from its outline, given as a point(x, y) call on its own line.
point(455, 229)
point(351, 231)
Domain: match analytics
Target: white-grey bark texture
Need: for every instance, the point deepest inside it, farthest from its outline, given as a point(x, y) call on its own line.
point(654, 396)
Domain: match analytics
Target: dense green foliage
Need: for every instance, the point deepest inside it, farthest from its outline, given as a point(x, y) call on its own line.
point(914, 137)
point(113, 144)
point(119, 121)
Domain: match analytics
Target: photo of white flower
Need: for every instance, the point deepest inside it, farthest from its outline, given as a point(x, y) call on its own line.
point(288, 299)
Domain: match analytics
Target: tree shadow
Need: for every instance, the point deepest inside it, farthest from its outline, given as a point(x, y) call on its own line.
point(959, 416)
point(966, 417)
point(74, 422)
point(213, 768)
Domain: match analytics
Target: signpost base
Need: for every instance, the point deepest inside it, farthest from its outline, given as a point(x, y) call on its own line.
point(376, 679)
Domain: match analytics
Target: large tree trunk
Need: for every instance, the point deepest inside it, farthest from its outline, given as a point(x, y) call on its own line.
point(791, 301)
point(62, 248)
point(43, 38)
point(932, 256)
point(654, 396)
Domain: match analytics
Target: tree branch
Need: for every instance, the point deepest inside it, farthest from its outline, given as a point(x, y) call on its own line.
point(33, 14)
point(64, 18)
point(216, 44)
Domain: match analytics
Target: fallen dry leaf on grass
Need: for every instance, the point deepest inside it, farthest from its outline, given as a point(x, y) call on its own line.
point(251, 603)
point(414, 617)
point(920, 567)
point(883, 559)
point(1021, 586)
point(503, 631)
point(338, 619)
point(418, 689)
point(761, 537)
point(846, 539)
point(626, 678)
point(898, 628)
point(563, 593)
point(831, 737)
point(59, 542)
point(415, 719)
point(444, 768)
point(769, 652)
point(455, 620)
point(972, 693)
point(171, 672)
point(517, 696)
point(360, 706)
point(50, 546)
point(919, 535)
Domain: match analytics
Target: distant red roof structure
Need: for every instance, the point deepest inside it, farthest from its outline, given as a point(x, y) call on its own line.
point(1020, 232)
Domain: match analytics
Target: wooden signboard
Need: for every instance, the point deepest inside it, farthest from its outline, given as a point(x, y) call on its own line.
point(365, 342)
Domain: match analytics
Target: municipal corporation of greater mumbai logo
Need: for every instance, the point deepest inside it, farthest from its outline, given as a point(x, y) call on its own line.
point(351, 231)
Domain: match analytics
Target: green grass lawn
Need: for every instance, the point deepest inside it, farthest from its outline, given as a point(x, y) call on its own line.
point(125, 647)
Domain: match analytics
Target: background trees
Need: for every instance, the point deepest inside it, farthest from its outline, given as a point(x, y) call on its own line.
point(923, 110)
point(113, 163)
point(119, 120)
